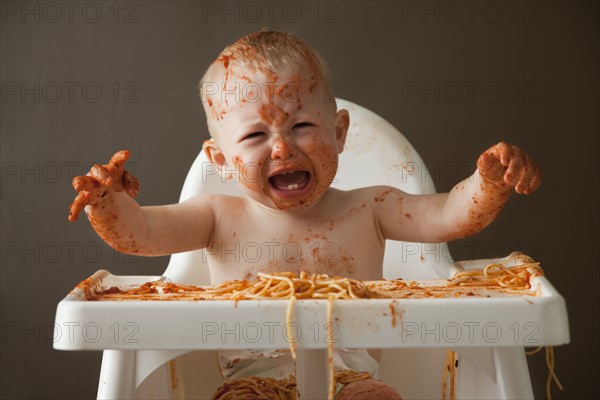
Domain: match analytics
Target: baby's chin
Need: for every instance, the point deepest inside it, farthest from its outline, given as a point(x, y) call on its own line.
point(279, 204)
point(276, 203)
point(287, 205)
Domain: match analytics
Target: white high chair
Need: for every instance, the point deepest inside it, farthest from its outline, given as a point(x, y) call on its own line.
point(375, 154)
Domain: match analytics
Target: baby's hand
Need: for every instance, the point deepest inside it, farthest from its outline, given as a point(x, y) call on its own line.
point(101, 180)
point(506, 165)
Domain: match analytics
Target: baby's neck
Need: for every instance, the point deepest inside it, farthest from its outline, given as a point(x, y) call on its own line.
point(310, 210)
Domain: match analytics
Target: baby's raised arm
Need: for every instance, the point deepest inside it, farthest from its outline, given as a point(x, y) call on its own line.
point(469, 207)
point(107, 195)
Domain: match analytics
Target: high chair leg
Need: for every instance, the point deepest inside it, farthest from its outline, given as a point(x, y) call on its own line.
point(512, 373)
point(117, 375)
point(312, 373)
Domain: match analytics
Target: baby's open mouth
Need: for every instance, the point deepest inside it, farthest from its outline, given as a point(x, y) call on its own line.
point(290, 181)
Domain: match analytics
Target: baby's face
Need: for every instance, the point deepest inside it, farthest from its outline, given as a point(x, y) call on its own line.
point(277, 135)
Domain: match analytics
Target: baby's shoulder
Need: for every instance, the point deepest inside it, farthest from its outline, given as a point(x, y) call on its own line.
point(226, 202)
point(367, 195)
point(217, 203)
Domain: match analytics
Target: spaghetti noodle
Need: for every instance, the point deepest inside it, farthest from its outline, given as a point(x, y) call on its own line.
point(282, 285)
point(496, 275)
point(285, 285)
point(550, 364)
point(252, 388)
point(493, 279)
point(449, 373)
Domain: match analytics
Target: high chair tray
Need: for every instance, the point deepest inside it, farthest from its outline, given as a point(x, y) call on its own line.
point(260, 324)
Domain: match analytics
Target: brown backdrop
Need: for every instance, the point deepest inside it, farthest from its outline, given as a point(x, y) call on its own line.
point(83, 79)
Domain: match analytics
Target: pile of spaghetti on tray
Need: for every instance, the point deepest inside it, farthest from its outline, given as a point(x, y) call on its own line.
point(493, 280)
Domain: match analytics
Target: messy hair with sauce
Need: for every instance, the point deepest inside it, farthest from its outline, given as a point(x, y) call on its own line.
point(270, 52)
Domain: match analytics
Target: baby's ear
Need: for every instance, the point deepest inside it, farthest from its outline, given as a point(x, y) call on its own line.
point(216, 156)
point(214, 153)
point(342, 122)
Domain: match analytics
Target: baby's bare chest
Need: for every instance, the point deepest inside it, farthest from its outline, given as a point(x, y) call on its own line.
point(346, 244)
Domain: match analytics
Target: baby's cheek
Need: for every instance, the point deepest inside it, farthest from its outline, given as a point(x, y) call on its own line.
point(326, 161)
point(248, 174)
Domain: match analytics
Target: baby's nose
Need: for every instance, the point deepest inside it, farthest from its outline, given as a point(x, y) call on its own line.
point(282, 150)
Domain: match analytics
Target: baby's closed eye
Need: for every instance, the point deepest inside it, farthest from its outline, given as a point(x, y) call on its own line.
point(303, 126)
point(253, 135)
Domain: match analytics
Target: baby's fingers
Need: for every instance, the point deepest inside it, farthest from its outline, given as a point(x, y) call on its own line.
point(534, 184)
point(86, 183)
point(490, 168)
point(112, 172)
point(530, 178)
point(503, 152)
point(130, 183)
point(116, 165)
point(102, 174)
point(120, 157)
point(78, 205)
point(515, 168)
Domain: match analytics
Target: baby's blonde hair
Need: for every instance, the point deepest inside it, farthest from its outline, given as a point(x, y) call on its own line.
point(274, 51)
